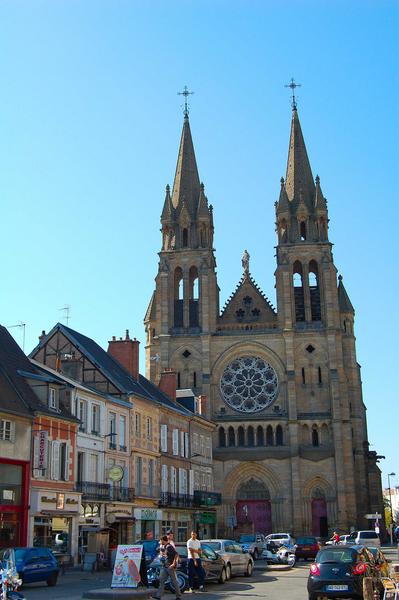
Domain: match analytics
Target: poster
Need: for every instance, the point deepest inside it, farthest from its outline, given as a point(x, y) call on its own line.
point(127, 566)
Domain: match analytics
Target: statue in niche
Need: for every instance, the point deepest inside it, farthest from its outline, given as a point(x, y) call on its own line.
point(245, 262)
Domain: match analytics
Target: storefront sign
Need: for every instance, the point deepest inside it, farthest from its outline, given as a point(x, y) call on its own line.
point(43, 447)
point(115, 473)
point(127, 567)
point(148, 514)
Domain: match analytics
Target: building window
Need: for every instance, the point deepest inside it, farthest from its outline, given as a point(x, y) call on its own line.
point(112, 431)
point(6, 431)
point(80, 466)
point(52, 399)
point(81, 414)
point(122, 433)
point(149, 428)
point(137, 423)
point(95, 419)
point(182, 531)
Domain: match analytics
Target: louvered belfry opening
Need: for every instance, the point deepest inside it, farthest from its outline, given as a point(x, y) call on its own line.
point(299, 297)
point(178, 298)
point(314, 290)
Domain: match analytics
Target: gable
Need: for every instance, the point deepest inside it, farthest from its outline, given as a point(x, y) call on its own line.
point(247, 308)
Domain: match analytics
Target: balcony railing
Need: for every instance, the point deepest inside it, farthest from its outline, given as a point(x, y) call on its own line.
point(103, 491)
point(176, 500)
point(147, 491)
point(203, 498)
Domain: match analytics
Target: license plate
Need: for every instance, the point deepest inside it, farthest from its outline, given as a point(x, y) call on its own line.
point(336, 588)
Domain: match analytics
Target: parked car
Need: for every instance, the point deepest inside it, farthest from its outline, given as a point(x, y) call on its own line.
point(365, 537)
point(343, 539)
point(215, 569)
point(252, 543)
point(338, 572)
point(33, 564)
point(306, 547)
point(281, 539)
point(237, 560)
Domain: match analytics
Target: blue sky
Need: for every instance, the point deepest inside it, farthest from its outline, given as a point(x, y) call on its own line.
point(90, 123)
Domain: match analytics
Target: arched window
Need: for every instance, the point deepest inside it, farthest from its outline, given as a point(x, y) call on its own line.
point(222, 437)
point(240, 436)
point(251, 436)
point(302, 230)
point(315, 436)
point(279, 436)
point(314, 290)
point(194, 379)
point(193, 298)
point(179, 292)
point(299, 297)
point(260, 436)
point(231, 436)
point(184, 241)
point(283, 231)
point(269, 436)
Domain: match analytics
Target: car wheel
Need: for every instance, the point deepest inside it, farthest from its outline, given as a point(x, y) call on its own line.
point(228, 571)
point(250, 569)
point(223, 576)
point(52, 581)
point(181, 580)
point(256, 555)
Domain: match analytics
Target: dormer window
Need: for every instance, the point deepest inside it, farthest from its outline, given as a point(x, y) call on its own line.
point(52, 399)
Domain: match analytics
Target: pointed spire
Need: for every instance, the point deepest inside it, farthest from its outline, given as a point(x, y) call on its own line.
point(283, 204)
point(319, 201)
point(167, 211)
point(299, 174)
point(187, 181)
point(203, 210)
point(345, 305)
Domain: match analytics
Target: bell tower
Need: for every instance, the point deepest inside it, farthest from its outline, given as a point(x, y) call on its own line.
point(185, 304)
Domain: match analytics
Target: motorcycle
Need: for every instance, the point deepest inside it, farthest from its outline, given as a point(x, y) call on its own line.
point(279, 556)
point(9, 582)
point(153, 573)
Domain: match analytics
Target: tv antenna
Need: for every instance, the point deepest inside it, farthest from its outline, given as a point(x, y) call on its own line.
point(22, 326)
point(67, 312)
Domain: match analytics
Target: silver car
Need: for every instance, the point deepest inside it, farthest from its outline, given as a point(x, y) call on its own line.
point(237, 560)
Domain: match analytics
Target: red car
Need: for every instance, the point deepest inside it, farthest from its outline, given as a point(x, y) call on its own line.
point(306, 547)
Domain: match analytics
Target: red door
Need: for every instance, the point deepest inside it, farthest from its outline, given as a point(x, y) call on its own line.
point(319, 517)
point(256, 512)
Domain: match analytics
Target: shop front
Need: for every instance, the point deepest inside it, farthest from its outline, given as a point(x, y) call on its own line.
point(14, 500)
point(119, 520)
point(205, 524)
point(55, 521)
point(180, 522)
point(91, 520)
point(148, 523)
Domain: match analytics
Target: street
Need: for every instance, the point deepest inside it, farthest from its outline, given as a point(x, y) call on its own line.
point(265, 583)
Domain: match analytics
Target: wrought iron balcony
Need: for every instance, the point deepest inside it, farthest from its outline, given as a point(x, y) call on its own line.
point(203, 498)
point(122, 494)
point(92, 490)
point(176, 500)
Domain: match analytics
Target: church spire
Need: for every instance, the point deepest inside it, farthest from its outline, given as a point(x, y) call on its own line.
point(186, 185)
point(299, 178)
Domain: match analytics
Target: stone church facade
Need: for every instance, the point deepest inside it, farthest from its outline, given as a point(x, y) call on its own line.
point(283, 386)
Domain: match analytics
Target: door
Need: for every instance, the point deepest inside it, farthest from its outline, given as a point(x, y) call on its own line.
point(33, 567)
point(319, 517)
point(211, 563)
point(255, 513)
point(242, 558)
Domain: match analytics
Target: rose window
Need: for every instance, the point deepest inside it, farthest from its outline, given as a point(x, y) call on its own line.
point(249, 384)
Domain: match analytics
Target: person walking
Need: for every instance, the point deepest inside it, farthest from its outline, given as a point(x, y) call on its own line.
point(335, 538)
point(195, 567)
point(169, 559)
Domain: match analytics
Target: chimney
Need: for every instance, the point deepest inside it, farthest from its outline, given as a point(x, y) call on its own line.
point(167, 383)
point(126, 352)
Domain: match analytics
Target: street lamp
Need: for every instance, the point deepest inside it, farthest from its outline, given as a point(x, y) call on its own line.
point(390, 503)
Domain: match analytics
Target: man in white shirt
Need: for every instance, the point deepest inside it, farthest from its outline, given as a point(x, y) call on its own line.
point(195, 567)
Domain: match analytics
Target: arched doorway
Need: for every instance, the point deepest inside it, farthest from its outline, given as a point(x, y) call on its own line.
point(319, 514)
point(253, 508)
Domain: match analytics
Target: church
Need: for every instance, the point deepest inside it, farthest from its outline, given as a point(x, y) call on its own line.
point(283, 385)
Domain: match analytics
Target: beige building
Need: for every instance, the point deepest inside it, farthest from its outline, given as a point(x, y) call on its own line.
point(291, 451)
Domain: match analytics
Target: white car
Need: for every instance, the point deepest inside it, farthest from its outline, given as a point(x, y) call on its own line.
point(365, 537)
point(343, 539)
point(237, 560)
point(280, 539)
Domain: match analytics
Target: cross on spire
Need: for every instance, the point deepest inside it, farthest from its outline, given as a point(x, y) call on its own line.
point(186, 94)
point(293, 85)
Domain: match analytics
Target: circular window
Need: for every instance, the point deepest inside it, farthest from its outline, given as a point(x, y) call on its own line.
point(249, 384)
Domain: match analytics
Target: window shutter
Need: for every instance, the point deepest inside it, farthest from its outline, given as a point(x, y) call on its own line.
point(36, 452)
point(173, 480)
point(164, 438)
point(182, 444)
point(164, 479)
point(55, 460)
point(68, 461)
point(197, 483)
point(175, 439)
point(184, 473)
point(186, 446)
point(191, 482)
point(195, 443)
point(208, 452)
point(181, 481)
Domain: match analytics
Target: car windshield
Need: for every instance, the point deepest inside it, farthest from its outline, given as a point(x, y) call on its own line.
point(368, 534)
point(336, 555)
point(214, 545)
point(306, 540)
point(278, 536)
point(247, 538)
